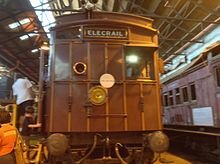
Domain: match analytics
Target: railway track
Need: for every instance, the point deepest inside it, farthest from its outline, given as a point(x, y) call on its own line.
point(201, 142)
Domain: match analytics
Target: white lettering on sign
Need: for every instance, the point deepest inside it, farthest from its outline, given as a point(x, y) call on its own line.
point(105, 33)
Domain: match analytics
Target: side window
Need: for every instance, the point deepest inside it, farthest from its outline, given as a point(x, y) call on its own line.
point(193, 91)
point(218, 76)
point(171, 97)
point(185, 94)
point(177, 96)
point(165, 99)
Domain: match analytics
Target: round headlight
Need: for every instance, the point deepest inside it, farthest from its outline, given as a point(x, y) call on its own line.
point(97, 95)
point(79, 68)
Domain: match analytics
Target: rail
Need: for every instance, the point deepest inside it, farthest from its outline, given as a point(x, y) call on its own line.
point(193, 131)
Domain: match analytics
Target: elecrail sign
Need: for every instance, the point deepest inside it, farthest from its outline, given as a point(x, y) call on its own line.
point(105, 33)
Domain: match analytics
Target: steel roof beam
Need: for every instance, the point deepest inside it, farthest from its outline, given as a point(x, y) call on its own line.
point(187, 35)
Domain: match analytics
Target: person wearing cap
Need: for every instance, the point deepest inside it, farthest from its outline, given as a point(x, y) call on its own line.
point(8, 137)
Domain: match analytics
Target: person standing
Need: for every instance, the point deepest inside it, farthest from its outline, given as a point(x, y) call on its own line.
point(29, 126)
point(22, 90)
point(8, 136)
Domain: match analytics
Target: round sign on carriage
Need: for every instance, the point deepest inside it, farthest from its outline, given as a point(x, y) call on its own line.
point(107, 80)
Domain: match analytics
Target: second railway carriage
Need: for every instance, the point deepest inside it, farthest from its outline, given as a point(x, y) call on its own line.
point(191, 97)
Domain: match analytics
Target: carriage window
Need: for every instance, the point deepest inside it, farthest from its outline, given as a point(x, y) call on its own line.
point(178, 98)
point(139, 62)
point(193, 91)
point(165, 99)
point(170, 98)
point(185, 94)
point(218, 76)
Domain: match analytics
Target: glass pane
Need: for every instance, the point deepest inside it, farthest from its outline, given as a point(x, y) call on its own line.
point(139, 62)
point(178, 98)
point(185, 94)
point(218, 76)
point(193, 91)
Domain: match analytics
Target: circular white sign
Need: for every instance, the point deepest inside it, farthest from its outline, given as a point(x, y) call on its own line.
point(107, 80)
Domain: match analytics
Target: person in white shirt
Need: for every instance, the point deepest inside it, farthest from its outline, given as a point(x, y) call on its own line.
point(22, 90)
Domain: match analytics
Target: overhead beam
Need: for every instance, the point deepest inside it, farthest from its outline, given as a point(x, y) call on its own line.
point(183, 40)
point(24, 70)
point(154, 6)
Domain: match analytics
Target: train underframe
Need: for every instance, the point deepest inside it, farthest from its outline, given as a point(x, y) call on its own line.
point(112, 147)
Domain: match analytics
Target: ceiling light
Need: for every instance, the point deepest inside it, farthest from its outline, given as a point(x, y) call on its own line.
point(45, 46)
point(34, 50)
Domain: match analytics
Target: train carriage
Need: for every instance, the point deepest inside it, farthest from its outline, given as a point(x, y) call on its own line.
point(191, 95)
point(103, 74)
point(103, 77)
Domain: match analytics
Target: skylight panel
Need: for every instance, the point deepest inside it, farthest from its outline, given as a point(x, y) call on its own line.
point(24, 37)
point(46, 17)
point(13, 25)
point(24, 21)
point(19, 23)
point(32, 34)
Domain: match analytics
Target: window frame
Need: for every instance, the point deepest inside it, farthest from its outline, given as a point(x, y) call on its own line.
point(178, 94)
point(190, 89)
point(187, 94)
point(165, 99)
point(170, 98)
point(217, 76)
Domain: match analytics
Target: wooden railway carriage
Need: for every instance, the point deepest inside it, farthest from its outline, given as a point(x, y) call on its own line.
point(103, 77)
point(191, 96)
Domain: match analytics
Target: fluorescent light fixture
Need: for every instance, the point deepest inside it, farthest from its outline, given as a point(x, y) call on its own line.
point(34, 50)
point(45, 46)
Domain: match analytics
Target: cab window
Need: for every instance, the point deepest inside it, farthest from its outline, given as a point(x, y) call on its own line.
point(139, 62)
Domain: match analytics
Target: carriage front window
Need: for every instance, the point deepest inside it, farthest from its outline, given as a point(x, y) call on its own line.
point(139, 62)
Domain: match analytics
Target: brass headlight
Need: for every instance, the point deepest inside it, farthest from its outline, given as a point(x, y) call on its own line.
point(97, 95)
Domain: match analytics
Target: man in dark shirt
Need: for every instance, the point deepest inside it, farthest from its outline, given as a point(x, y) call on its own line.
point(29, 125)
